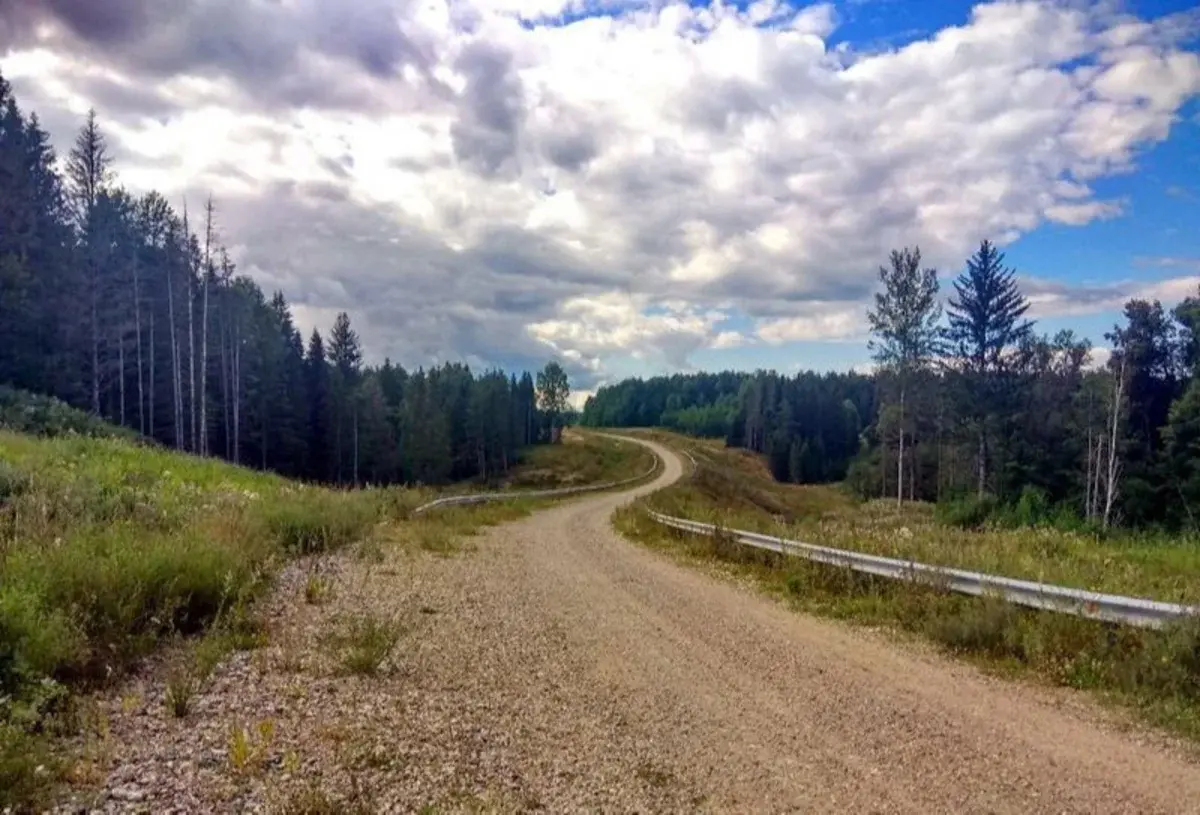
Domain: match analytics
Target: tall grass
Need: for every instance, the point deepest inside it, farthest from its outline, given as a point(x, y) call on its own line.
point(107, 548)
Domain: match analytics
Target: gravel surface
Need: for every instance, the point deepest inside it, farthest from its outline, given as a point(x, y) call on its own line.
point(558, 668)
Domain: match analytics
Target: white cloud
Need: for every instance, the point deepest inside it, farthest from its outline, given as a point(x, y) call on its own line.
point(836, 324)
point(472, 184)
point(1049, 298)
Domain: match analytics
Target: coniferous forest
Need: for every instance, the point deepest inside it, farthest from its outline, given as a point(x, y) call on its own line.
point(969, 404)
point(131, 309)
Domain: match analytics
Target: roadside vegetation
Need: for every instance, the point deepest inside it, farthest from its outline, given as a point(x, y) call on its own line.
point(582, 458)
point(110, 548)
point(1157, 673)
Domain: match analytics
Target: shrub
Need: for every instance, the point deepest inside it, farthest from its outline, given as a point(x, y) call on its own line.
point(38, 415)
point(967, 513)
point(26, 765)
point(1031, 509)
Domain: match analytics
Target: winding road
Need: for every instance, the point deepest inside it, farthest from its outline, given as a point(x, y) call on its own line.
point(626, 682)
point(560, 668)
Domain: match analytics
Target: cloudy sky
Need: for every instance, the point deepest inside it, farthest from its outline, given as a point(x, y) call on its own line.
point(640, 187)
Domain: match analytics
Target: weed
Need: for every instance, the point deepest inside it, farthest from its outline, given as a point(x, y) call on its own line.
point(312, 800)
point(181, 687)
point(317, 590)
point(249, 748)
point(369, 550)
point(364, 643)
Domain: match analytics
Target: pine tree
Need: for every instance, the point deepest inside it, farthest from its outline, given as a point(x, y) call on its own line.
point(986, 322)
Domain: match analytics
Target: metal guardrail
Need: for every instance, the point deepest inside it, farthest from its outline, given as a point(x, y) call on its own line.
point(484, 497)
point(1045, 596)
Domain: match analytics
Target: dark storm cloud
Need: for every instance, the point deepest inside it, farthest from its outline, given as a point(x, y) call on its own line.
point(571, 151)
point(486, 134)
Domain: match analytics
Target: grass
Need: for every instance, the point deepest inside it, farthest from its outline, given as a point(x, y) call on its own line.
point(110, 547)
point(1155, 673)
point(582, 458)
point(364, 643)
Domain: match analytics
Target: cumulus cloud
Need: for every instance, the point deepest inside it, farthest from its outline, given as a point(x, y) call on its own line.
point(498, 181)
point(1051, 298)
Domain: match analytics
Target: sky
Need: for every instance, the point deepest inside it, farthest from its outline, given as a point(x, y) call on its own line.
point(638, 188)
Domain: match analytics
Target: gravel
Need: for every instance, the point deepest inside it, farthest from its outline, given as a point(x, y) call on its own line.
point(558, 668)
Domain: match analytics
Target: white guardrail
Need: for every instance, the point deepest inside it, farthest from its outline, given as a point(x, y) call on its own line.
point(1113, 608)
point(483, 497)
point(1079, 602)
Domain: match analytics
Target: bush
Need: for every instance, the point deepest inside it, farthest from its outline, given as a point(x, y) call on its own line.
point(25, 766)
point(1031, 509)
point(46, 416)
point(967, 513)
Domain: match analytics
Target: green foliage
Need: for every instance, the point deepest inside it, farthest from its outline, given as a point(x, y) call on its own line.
point(322, 522)
point(25, 412)
point(27, 768)
point(364, 643)
point(968, 512)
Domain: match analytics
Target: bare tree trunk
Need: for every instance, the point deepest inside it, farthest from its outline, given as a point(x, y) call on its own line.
point(1114, 463)
point(192, 356)
point(900, 454)
point(121, 376)
point(982, 461)
point(226, 353)
point(176, 373)
point(137, 328)
point(150, 393)
point(237, 396)
point(1087, 489)
point(356, 444)
point(95, 295)
point(208, 234)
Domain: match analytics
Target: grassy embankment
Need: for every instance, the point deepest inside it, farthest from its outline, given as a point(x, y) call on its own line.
point(109, 547)
point(1156, 673)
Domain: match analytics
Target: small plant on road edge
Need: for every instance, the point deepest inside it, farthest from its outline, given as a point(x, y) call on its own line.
point(317, 590)
point(364, 643)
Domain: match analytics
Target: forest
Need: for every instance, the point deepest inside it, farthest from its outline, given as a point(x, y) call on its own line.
point(134, 311)
point(970, 406)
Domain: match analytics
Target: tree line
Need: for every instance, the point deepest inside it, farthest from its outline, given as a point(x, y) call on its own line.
point(968, 400)
point(979, 403)
point(127, 308)
point(808, 426)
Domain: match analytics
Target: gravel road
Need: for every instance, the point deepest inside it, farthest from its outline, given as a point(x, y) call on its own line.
point(560, 668)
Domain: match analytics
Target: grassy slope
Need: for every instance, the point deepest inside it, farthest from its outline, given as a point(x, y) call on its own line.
point(1157, 673)
point(735, 489)
point(109, 547)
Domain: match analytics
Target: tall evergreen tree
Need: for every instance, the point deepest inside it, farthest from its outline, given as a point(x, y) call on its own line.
point(986, 324)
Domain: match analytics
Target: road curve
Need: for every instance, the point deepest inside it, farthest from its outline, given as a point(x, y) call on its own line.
point(593, 675)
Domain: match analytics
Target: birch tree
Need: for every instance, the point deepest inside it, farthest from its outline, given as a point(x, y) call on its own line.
point(904, 323)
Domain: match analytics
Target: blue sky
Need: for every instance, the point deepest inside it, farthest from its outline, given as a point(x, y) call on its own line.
point(1161, 218)
point(644, 187)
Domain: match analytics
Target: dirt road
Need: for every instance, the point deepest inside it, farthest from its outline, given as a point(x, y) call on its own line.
point(560, 668)
point(627, 682)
